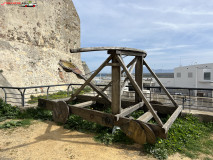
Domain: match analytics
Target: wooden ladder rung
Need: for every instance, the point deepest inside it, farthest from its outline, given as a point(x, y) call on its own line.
point(84, 104)
point(145, 117)
point(173, 117)
point(129, 110)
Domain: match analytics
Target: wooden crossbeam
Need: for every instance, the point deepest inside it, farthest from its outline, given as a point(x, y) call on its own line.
point(90, 79)
point(173, 117)
point(145, 117)
point(84, 104)
point(139, 91)
point(164, 89)
point(129, 110)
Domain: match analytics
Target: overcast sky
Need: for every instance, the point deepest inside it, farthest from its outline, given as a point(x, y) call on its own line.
point(173, 33)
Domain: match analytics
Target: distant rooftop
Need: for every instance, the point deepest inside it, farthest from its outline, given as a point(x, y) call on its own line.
point(160, 75)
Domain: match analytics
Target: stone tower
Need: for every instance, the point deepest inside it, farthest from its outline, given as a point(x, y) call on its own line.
point(34, 39)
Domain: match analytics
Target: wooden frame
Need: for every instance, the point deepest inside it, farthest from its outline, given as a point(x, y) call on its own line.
point(139, 130)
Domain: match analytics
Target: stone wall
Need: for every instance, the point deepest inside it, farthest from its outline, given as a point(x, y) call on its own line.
point(34, 39)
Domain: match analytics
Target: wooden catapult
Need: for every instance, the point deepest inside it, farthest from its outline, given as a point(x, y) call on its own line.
point(140, 130)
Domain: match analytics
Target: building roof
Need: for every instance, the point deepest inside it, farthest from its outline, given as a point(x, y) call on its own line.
point(159, 75)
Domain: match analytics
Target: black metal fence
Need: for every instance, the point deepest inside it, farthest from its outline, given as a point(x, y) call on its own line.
point(190, 98)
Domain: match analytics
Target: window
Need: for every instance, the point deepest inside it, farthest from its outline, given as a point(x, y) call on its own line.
point(189, 74)
point(178, 75)
point(207, 75)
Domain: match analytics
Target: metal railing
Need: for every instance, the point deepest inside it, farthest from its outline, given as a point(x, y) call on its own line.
point(190, 98)
point(22, 91)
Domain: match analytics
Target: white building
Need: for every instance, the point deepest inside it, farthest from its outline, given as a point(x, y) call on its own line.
point(194, 76)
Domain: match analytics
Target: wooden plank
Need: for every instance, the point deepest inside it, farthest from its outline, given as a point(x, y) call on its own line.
point(84, 104)
point(130, 127)
point(133, 50)
point(101, 118)
point(116, 87)
point(139, 91)
point(130, 53)
point(126, 102)
point(164, 89)
point(173, 117)
point(90, 79)
point(113, 64)
point(145, 117)
point(138, 76)
point(129, 110)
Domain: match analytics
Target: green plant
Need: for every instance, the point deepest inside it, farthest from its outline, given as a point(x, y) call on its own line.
point(103, 134)
point(57, 95)
point(186, 135)
point(13, 124)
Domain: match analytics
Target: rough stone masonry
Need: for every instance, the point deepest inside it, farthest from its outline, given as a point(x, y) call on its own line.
point(34, 39)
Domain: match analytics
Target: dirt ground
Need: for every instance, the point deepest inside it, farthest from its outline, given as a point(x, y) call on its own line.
point(47, 141)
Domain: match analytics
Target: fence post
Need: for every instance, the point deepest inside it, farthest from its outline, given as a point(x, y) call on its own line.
point(5, 95)
point(48, 91)
point(22, 96)
point(68, 89)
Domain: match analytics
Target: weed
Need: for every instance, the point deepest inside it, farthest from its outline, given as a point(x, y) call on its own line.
point(186, 135)
point(57, 95)
point(13, 124)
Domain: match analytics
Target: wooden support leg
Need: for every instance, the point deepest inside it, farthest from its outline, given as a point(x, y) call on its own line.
point(116, 87)
point(138, 76)
point(139, 91)
point(164, 89)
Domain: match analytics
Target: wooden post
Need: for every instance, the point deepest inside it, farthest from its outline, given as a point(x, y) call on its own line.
point(138, 76)
point(116, 85)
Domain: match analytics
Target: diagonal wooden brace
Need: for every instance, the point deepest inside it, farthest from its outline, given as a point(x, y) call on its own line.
point(139, 91)
point(88, 81)
point(164, 89)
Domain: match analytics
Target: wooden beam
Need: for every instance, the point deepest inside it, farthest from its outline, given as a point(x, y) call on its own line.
point(116, 86)
point(113, 64)
point(90, 79)
point(84, 104)
point(145, 117)
point(173, 117)
point(130, 127)
point(139, 91)
point(97, 89)
point(139, 76)
point(129, 110)
point(130, 50)
point(164, 89)
point(130, 53)
point(126, 79)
